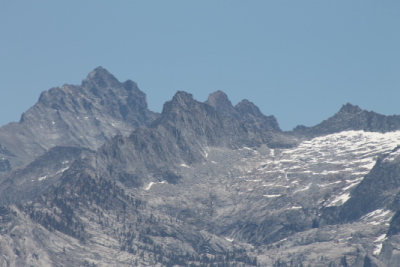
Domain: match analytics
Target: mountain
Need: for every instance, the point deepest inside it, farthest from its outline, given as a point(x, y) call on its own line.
point(245, 111)
point(251, 116)
point(201, 184)
point(78, 116)
point(182, 135)
point(352, 117)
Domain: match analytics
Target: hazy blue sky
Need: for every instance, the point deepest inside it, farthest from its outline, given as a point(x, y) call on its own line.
point(297, 60)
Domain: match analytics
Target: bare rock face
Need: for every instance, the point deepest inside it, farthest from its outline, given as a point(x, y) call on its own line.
point(83, 116)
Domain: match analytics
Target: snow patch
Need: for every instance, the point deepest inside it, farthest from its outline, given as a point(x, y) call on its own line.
point(339, 200)
point(377, 249)
point(62, 170)
point(271, 196)
point(381, 238)
point(153, 183)
point(42, 178)
point(272, 152)
point(375, 214)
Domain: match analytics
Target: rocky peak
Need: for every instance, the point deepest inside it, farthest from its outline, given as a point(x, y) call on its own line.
point(77, 115)
point(350, 108)
point(181, 101)
point(220, 102)
point(101, 78)
point(245, 111)
point(245, 106)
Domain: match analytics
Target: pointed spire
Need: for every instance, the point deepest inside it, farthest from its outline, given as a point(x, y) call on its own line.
point(181, 100)
point(350, 108)
point(245, 106)
point(101, 78)
point(220, 102)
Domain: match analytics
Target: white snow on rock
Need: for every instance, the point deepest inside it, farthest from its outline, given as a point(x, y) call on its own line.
point(334, 163)
point(377, 249)
point(42, 178)
point(340, 200)
point(381, 238)
point(153, 183)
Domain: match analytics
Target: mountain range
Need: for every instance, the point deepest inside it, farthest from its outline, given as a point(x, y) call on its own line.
point(91, 177)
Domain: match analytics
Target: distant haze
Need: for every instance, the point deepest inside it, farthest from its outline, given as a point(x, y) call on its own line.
point(297, 60)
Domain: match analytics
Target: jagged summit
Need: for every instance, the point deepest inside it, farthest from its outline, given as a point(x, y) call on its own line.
point(220, 102)
point(181, 103)
point(181, 99)
point(199, 121)
point(100, 77)
point(245, 111)
point(350, 108)
point(77, 115)
point(245, 106)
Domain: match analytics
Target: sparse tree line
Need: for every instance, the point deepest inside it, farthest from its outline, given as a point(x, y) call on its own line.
point(124, 217)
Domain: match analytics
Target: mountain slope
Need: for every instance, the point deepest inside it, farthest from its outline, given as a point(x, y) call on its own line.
point(24, 183)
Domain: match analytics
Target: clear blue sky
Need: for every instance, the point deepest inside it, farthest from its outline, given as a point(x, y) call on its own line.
point(297, 60)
